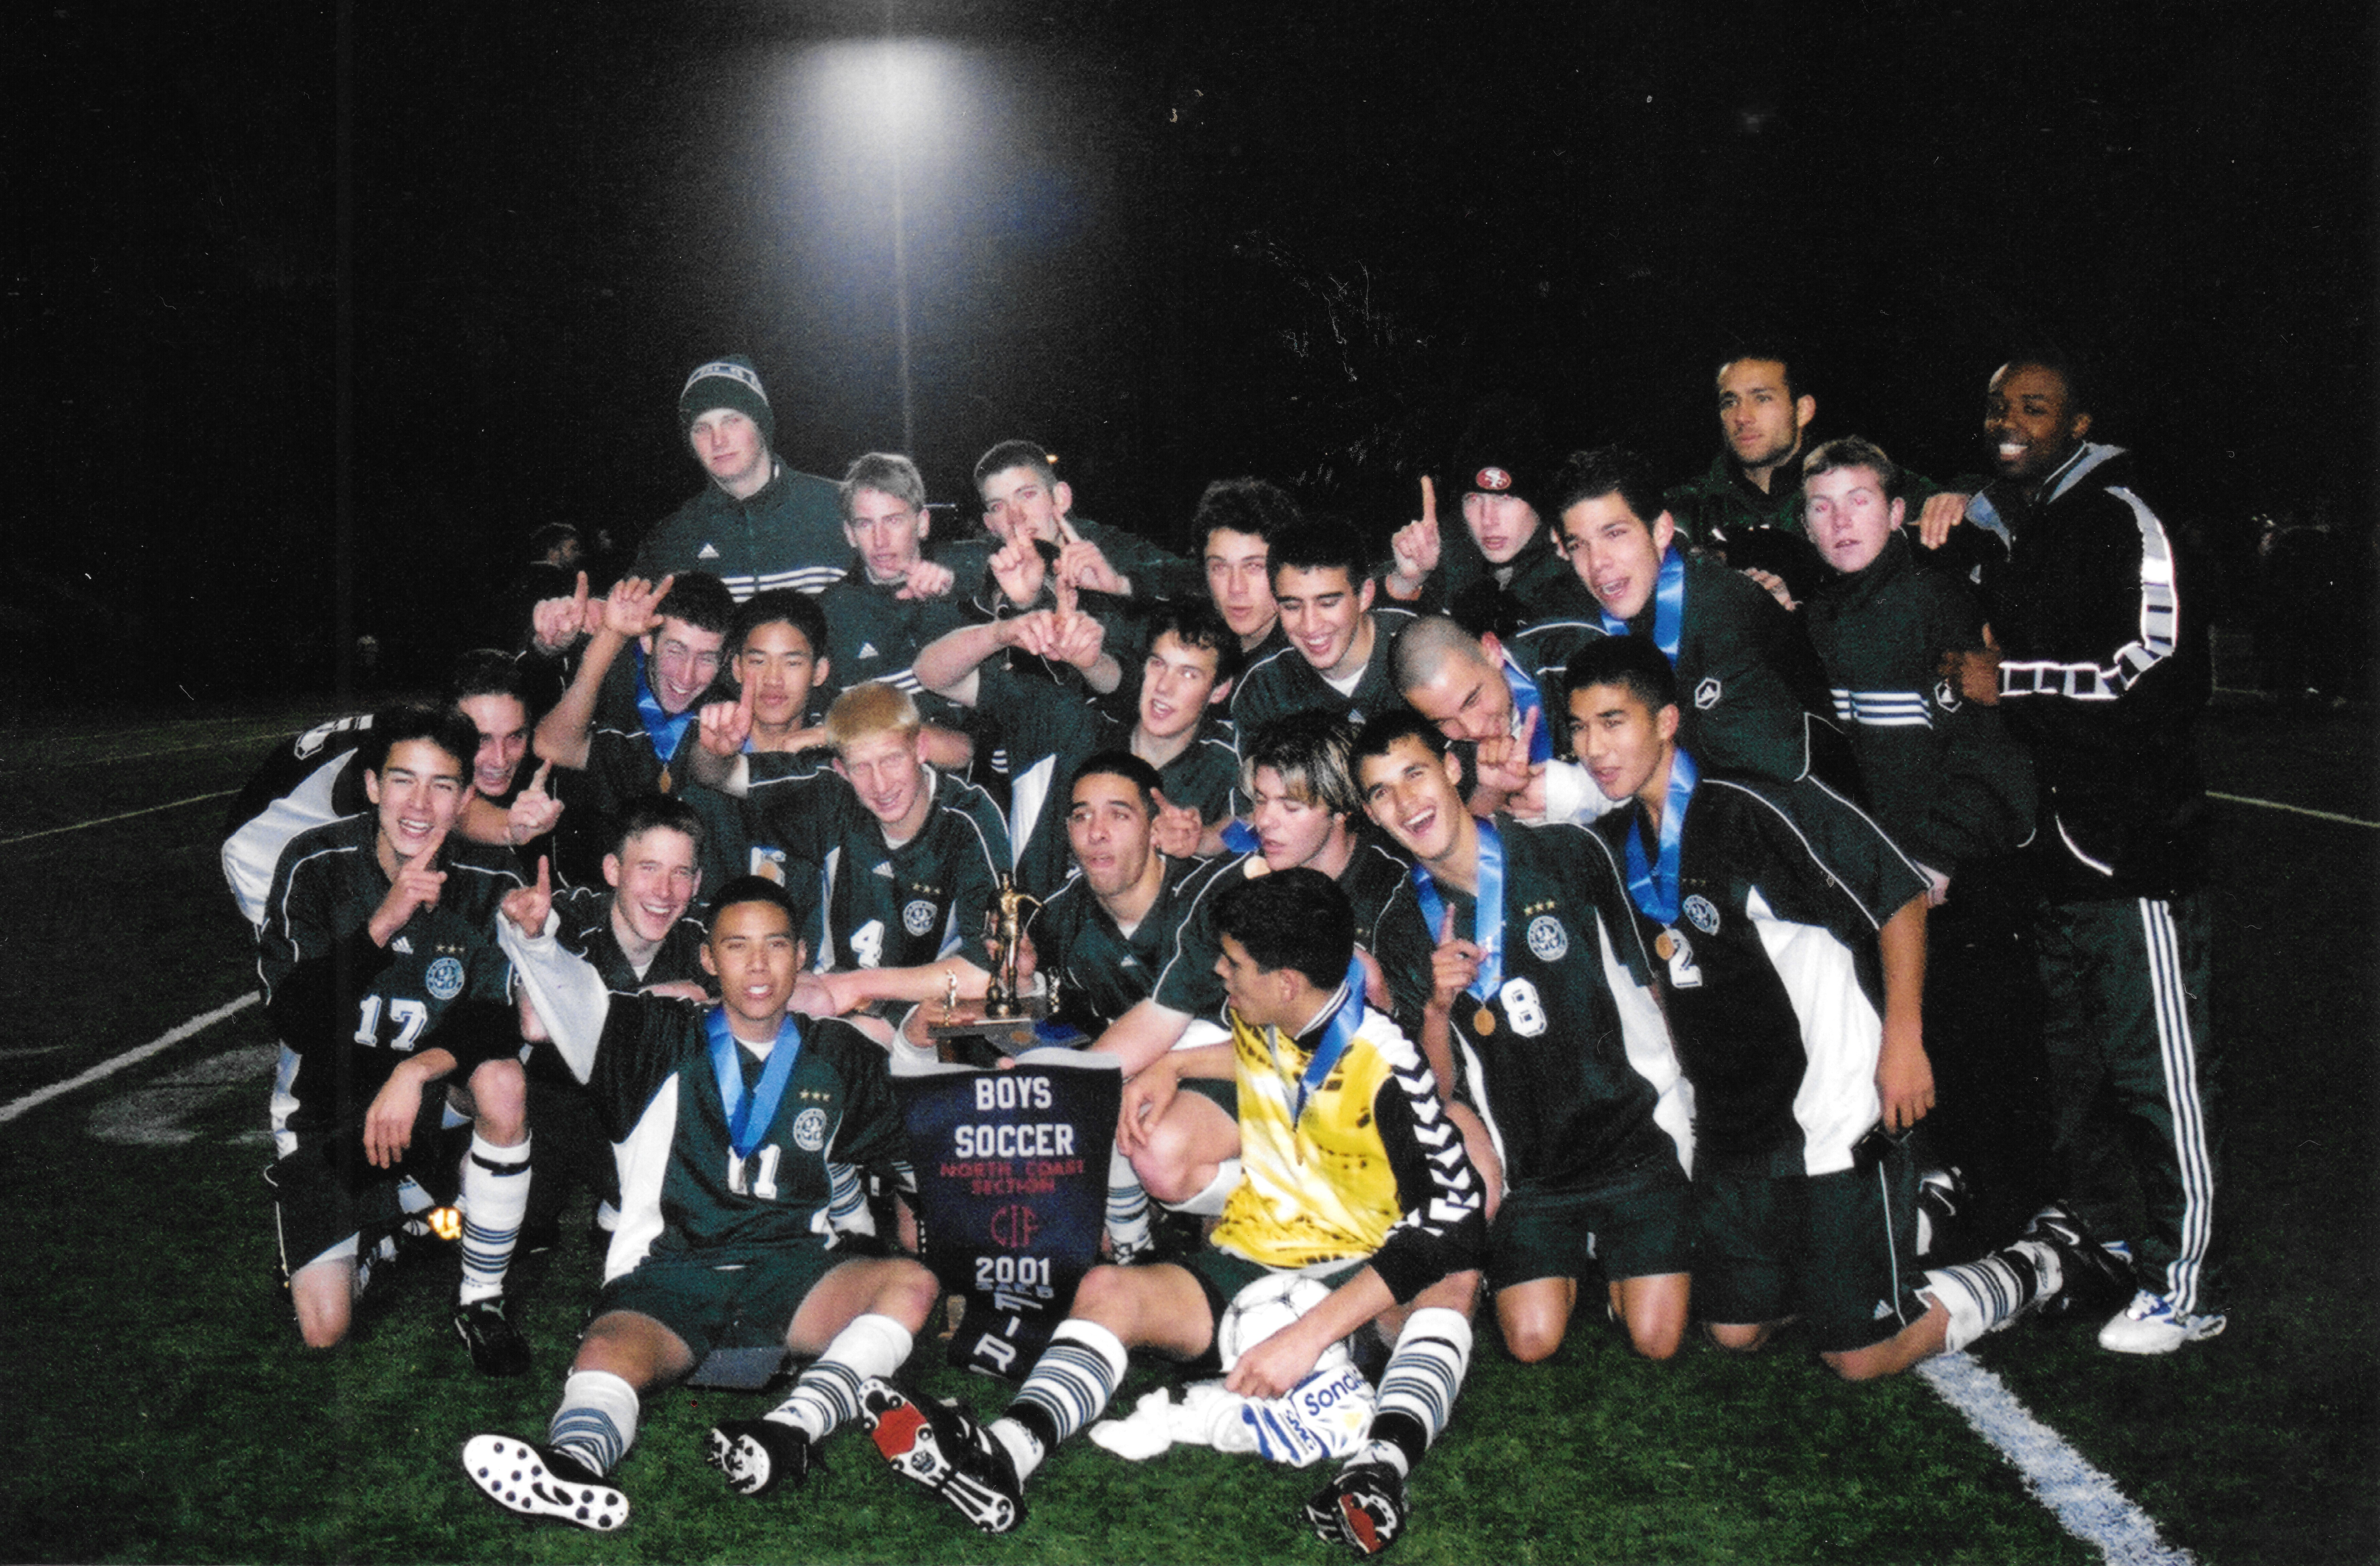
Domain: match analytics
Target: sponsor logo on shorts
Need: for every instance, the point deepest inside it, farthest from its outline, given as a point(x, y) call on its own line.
point(809, 1130)
point(445, 979)
point(1703, 913)
point(917, 918)
point(1547, 941)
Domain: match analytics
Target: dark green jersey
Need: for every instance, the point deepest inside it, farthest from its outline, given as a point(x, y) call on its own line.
point(1051, 731)
point(1567, 1059)
point(1748, 683)
point(1773, 982)
point(624, 758)
point(885, 907)
point(1102, 972)
point(1374, 881)
point(1284, 681)
point(1741, 525)
point(348, 1010)
point(874, 634)
point(786, 793)
point(682, 1187)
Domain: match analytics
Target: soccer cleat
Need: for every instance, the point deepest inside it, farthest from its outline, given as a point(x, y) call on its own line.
point(497, 1348)
point(946, 1451)
point(2094, 1276)
point(2150, 1325)
point(1941, 1196)
point(758, 1455)
point(534, 1481)
point(1364, 1508)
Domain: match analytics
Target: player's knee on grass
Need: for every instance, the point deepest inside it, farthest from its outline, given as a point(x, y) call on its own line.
point(323, 1295)
point(1740, 1337)
point(499, 1102)
point(1654, 1311)
point(1534, 1316)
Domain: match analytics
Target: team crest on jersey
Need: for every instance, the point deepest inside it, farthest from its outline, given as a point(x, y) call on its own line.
point(445, 979)
point(809, 1130)
point(918, 918)
point(1706, 694)
point(1547, 941)
point(1703, 913)
point(1946, 696)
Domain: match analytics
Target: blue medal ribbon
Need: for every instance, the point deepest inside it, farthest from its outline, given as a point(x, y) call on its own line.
point(1488, 920)
point(664, 731)
point(1337, 1034)
point(1668, 606)
point(1654, 887)
point(1240, 837)
point(1526, 700)
point(748, 1115)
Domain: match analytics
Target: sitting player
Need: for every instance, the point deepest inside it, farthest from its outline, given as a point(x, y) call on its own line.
point(911, 858)
point(1791, 942)
point(1540, 1004)
point(733, 1116)
point(383, 981)
point(1184, 682)
point(1352, 1177)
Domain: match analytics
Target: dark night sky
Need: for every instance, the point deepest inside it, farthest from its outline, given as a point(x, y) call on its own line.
point(1173, 242)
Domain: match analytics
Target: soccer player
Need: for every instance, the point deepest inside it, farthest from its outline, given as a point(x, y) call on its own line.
point(1518, 577)
point(1791, 939)
point(2097, 655)
point(1236, 524)
point(385, 983)
point(1185, 680)
point(910, 857)
point(1519, 965)
point(1351, 1175)
point(1104, 935)
point(757, 524)
point(1955, 793)
point(1506, 743)
point(629, 727)
point(1305, 813)
point(734, 1119)
point(1338, 654)
point(313, 779)
point(1025, 499)
point(892, 601)
point(1751, 681)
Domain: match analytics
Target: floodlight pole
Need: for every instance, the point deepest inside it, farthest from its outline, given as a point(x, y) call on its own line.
point(900, 258)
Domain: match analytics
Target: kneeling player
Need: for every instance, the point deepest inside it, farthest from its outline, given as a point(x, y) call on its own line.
point(384, 980)
point(1791, 940)
point(1537, 982)
point(1351, 1175)
point(735, 1117)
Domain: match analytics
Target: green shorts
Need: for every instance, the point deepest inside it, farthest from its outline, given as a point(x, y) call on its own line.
point(1637, 1224)
point(1222, 1275)
point(325, 1191)
point(1223, 1092)
point(745, 1304)
point(1837, 1250)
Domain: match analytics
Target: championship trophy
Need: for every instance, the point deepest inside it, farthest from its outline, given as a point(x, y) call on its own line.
point(1009, 1018)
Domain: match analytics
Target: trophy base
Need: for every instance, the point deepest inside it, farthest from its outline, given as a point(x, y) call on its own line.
point(983, 1041)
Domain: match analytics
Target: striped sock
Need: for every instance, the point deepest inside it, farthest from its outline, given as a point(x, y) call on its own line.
point(495, 1196)
point(1128, 1229)
point(1985, 1294)
point(1068, 1387)
point(597, 1420)
point(846, 1202)
point(1418, 1387)
point(828, 1390)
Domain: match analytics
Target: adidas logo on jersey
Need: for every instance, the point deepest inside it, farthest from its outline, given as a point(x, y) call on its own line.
point(867, 650)
point(884, 868)
point(401, 944)
point(707, 552)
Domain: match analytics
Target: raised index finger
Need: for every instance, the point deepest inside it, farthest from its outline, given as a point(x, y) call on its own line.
point(429, 855)
point(1428, 501)
point(537, 782)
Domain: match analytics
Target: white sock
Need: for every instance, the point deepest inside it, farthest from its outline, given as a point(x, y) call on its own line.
point(1417, 1390)
point(827, 1393)
point(597, 1421)
point(1068, 1387)
point(495, 1196)
point(1209, 1202)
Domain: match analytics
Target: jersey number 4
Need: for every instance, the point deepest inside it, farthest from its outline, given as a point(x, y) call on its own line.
point(410, 1016)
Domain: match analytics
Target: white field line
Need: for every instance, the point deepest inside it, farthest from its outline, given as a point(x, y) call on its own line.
point(164, 1040)
point(2085, 1502)
point(104, 821)
point(2295, 810)
point(111, 759)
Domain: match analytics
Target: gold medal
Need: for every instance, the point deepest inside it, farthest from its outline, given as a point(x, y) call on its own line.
point(662, 786)
point(1483, 1021)
point(1665, 945)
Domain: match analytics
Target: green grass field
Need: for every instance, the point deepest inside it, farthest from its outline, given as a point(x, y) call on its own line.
point(159, 1407)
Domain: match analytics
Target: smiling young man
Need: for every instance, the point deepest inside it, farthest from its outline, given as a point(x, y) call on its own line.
point(1519, 968)
point(910, 859)
point(1748, 679)
point(757, 524)
point(1337, 658)
point(1790, 943)
point(1352, 1177)
point(1951, 788)
point(739, 1128)
point(2097, 657)
point(383, 981)
point(627, 726)
point(1024, 498)
point(1183, 681)
point(1512, 574)
point(894, 600)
